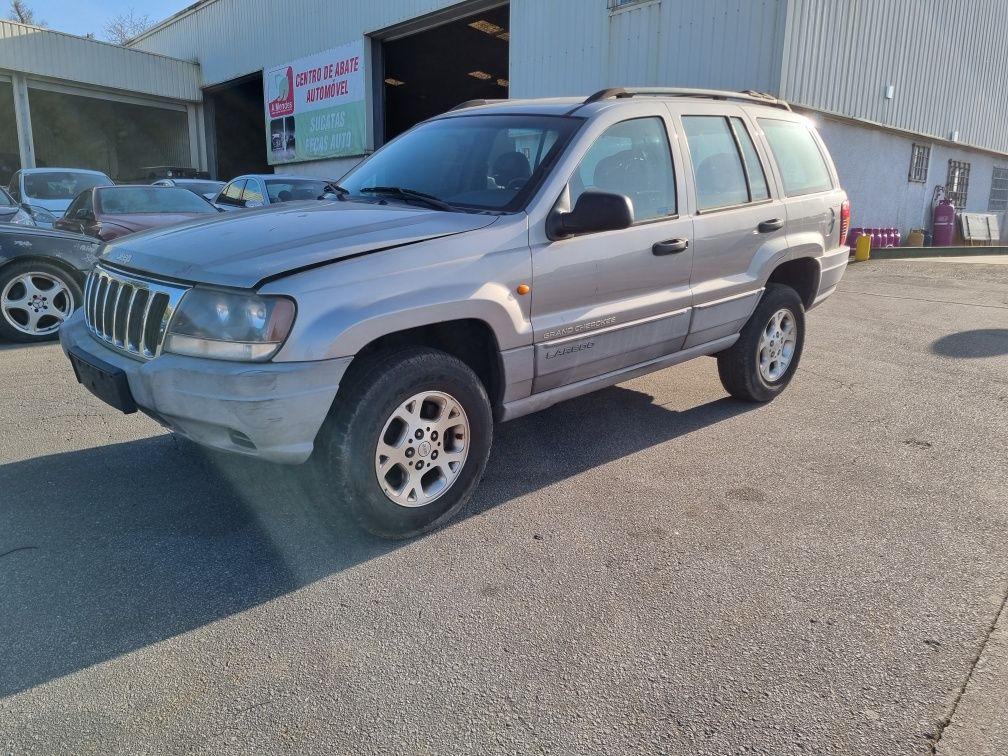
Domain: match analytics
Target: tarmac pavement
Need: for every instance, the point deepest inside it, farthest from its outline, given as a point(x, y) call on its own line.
point(652, 569)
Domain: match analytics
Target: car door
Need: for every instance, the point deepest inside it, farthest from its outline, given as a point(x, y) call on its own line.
point(608, 300)
point(738, 217)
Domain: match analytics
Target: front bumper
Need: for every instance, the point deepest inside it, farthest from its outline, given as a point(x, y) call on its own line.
point(271, 410)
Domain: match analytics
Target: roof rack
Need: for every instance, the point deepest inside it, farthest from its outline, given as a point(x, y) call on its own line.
point(619, 93)
point(474, 104)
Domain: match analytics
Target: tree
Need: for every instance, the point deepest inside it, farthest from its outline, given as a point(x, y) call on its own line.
point(126, 26)
point(20, 12)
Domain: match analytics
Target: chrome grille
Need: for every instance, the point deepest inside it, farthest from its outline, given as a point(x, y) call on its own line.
point(128, 312)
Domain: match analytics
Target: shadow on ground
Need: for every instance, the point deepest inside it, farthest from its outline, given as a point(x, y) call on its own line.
point(110, 549)
point(983, 342)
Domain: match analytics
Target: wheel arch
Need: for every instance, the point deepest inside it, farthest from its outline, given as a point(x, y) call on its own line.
point(801, 274)
point(78, 276)
point(471, 340)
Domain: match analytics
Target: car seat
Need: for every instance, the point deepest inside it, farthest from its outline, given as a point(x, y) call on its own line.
point(510, 166)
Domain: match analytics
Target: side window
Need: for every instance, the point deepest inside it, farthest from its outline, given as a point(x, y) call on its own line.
point(801, 162)
point(232, 193)
point(717, 166)
point(15, 187)
point(753, 167)
point(80, 209)
point(632, 158)
point(252, 193)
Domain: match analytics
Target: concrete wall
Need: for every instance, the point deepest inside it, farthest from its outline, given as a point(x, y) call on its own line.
point(874, 165)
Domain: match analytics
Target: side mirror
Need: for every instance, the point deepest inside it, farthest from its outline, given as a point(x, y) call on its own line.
point(594, 211)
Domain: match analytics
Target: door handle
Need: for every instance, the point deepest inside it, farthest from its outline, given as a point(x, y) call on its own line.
point(774, 224)
point(670, 247)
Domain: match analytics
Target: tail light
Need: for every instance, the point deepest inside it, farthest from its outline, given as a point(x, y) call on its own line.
point(844, 221)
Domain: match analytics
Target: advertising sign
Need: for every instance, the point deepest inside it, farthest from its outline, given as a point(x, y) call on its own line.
point(315, 106)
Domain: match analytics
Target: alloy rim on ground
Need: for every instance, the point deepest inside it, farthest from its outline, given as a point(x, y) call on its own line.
point(777, 345)
point(36, 303)
point(422, 449)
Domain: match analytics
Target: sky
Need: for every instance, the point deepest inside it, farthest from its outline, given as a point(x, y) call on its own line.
point(83, 16)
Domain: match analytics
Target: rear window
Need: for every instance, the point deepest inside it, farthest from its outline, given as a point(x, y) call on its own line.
point(61, 185)
point(294, 189)
point(126, 200)
point(801, 162)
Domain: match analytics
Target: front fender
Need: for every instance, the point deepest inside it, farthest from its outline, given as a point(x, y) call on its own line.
point(344, 306)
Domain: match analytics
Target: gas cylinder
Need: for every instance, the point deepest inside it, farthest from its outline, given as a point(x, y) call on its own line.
point(944, 223)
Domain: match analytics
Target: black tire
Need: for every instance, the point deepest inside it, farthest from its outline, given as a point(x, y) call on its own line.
point(738, 366)
point(14, 319)
point(344, 462)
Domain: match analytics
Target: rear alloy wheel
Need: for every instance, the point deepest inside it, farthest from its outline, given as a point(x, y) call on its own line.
point(35, 300)
point(406, 442)
point(758, 366)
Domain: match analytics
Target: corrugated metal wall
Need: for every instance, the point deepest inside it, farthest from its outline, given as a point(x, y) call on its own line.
point(947, 62)
point(566, 47)
point(232, 38)
point(68, 58)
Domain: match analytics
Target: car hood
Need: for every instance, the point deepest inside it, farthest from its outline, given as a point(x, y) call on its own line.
point(56, 207)
point(143, 221)
point(243, 249)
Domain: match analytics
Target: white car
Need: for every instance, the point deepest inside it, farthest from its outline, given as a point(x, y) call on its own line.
point(46, 193)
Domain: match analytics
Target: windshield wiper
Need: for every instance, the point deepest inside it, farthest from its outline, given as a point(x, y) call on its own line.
point(333, 188)
point(413, 194)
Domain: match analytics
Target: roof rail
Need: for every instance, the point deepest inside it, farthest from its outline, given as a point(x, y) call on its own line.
point(474, 104)
point(713, 94)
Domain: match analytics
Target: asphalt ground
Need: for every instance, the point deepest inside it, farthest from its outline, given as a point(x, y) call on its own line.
point(654, 568)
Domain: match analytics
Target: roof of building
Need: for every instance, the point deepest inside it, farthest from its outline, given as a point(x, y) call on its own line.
point(37, 51)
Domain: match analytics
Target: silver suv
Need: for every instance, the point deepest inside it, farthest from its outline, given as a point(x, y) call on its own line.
point(489, 263)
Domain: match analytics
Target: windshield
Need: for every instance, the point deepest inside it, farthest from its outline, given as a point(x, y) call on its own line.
point(126, 200)
point(285, 190)
point(61, 185)
point(481, 162)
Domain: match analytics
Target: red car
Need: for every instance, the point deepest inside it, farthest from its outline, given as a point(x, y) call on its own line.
point(108, 212)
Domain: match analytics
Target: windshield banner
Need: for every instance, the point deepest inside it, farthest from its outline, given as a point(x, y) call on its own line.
point(315, 106)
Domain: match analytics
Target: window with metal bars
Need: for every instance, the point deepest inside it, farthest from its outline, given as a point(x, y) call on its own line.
point(957, 185)
point(998, 202)
point(920, 156)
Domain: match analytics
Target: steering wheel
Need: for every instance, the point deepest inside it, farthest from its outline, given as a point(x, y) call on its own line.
point(516, 183)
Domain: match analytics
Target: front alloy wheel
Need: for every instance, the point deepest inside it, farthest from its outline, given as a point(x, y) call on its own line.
point(422, 449)
point(35, 300)
point(406, 441)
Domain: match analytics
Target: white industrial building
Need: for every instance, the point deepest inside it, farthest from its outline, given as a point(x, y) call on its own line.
point(908, 94)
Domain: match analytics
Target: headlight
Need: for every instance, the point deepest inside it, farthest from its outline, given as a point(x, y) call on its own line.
point(41, 215)
point(229, 326)
point(22, 218)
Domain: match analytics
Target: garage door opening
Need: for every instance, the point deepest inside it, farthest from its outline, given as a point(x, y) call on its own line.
point(434, 70)
point(238, 128)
